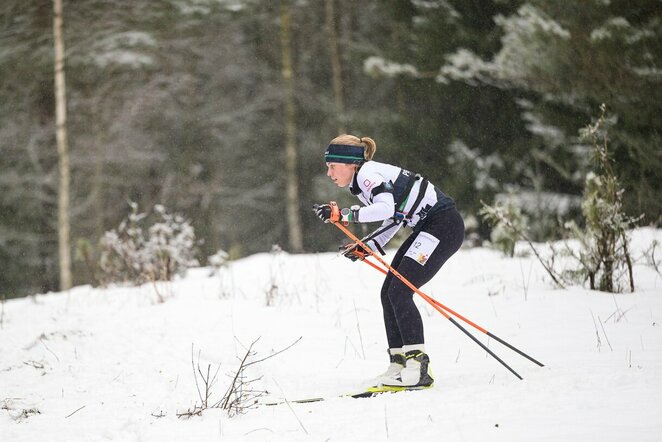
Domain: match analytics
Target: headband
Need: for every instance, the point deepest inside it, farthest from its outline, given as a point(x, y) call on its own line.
point(344, 153)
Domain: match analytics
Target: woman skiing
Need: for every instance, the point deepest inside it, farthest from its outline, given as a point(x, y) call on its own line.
point(396, 197)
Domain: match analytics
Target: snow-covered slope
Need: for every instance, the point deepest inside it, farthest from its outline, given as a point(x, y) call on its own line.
point(114, 364)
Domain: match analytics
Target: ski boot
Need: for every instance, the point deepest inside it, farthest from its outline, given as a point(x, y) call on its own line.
point(415, 375)
point(398, 362)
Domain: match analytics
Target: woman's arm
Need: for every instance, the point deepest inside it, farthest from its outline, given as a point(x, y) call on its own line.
point(382, 207)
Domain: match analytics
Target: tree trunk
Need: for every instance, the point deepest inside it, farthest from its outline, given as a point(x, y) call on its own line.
point(62, 151)
point(291, 179)
point(336, 66)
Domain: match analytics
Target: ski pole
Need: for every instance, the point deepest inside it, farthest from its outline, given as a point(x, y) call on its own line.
point(435, 304)
point(447, 316)
point(451, 311)
point(479, 328)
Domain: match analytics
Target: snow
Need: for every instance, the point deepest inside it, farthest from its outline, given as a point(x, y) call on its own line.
point(378, 66)
point(123, 57)
point(118, 49)
point(525, 43)
point(463, 65)
point(539, 202)
point(531, 20)
point(483, 165)
point(204, 7)
point(113, 364)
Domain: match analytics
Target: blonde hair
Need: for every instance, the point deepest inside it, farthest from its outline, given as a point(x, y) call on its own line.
point(368, 144)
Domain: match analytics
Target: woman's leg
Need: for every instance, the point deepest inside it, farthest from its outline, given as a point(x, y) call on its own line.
point(393, 335)
point(418, 260)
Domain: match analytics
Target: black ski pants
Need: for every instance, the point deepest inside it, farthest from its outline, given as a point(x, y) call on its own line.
point(401, 317)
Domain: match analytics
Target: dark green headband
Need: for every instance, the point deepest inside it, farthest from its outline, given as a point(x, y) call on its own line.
point(344, 153)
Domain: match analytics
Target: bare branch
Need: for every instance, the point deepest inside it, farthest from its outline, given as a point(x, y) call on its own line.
point(240, 394)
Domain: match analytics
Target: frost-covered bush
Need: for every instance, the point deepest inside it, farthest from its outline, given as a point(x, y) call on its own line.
point(508, 225)
point(137, 253)
point(604, 256)
point(220, 262)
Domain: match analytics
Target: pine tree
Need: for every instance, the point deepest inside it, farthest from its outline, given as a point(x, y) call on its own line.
point(568, 57)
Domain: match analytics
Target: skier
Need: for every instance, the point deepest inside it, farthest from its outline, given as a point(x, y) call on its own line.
point(396, 196)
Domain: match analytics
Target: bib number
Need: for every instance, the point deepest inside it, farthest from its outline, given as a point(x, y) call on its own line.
point(422, 247)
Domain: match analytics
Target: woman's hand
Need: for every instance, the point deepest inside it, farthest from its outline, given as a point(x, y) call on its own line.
point(325, 212)
point(354, 252)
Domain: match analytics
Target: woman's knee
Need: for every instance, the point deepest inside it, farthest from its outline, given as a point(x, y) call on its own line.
point(398, 293)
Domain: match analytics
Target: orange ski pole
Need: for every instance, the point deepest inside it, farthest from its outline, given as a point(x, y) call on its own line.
point(451, 311)
point(436, 304)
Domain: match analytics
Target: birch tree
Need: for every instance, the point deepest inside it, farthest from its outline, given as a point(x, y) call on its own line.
point(64, 246)
point(336, 65)
point(295, 236)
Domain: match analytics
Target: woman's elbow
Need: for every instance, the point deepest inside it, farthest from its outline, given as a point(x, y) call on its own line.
point(388, 210)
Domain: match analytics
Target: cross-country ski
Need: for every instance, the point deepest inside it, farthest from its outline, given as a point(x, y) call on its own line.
point(367, 393)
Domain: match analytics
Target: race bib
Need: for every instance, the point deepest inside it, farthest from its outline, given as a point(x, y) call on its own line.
point(422, 247)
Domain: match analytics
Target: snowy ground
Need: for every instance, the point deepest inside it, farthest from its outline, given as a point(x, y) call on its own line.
point(114, 364)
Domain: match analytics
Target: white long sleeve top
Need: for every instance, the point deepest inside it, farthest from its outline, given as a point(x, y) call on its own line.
point(380, 201)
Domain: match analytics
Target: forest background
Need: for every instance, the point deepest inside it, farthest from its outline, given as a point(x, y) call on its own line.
point(220, 110)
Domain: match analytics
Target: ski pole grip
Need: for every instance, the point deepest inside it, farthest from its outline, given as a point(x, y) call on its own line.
point(335, 212)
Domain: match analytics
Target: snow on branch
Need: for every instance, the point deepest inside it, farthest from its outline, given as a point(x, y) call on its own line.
point(380, 67)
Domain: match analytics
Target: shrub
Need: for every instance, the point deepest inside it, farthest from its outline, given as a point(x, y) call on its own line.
point(135, 253)
point(509, 224)
point(603, 257)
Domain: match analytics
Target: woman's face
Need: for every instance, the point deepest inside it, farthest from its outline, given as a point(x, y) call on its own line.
point(340, 173)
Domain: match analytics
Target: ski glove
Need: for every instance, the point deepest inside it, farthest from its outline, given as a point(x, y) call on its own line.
point(324, 212)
